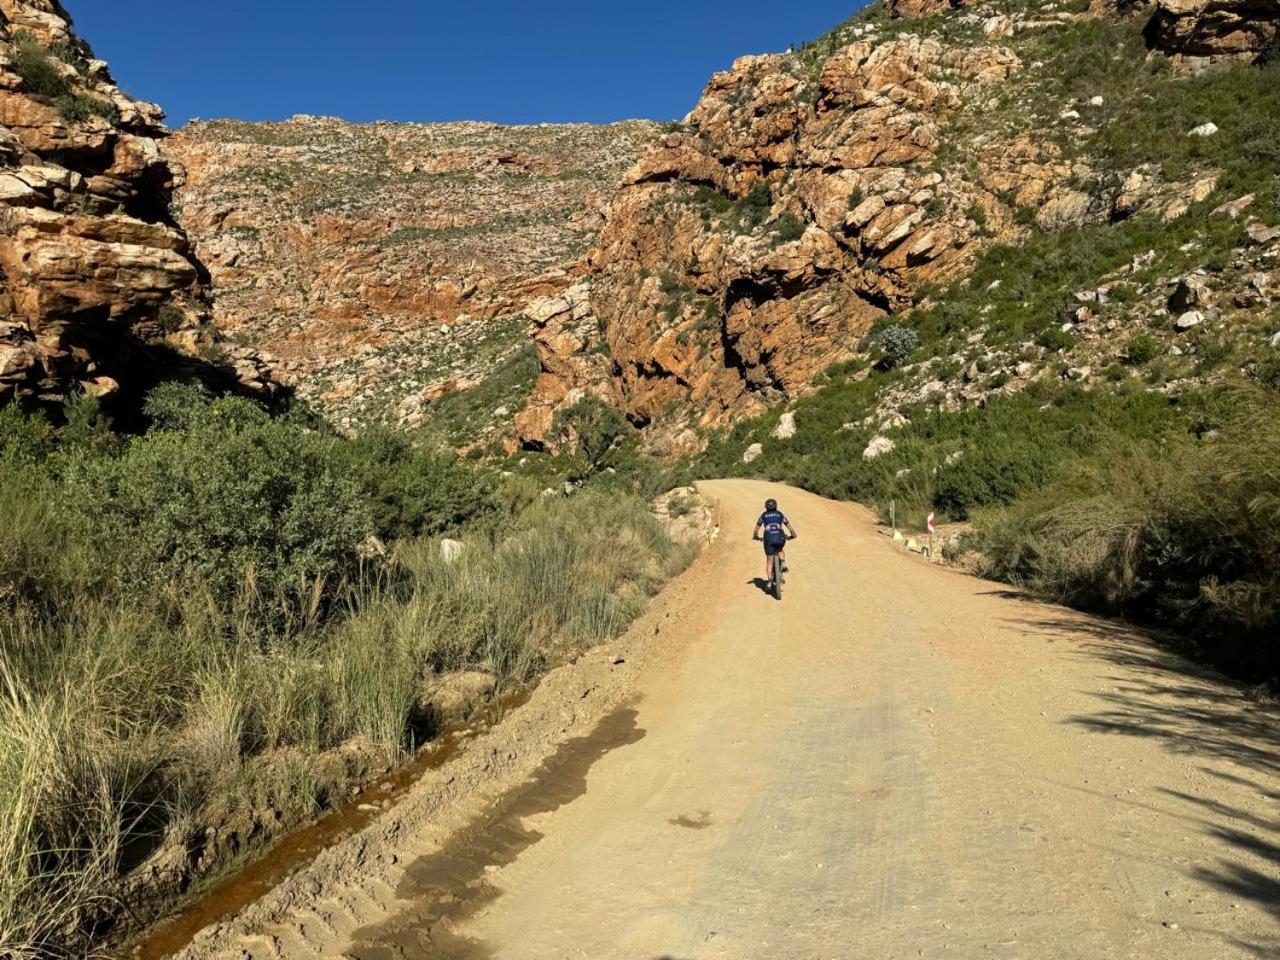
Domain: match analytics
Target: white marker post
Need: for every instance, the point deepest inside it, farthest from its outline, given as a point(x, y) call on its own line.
point(929, 523)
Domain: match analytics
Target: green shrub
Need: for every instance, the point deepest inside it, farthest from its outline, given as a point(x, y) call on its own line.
point(171, 318)
point(755, 206)
point(32, 63)
point(23, 439)
point(1055, 339)
point(78, 107)
point(1267, 371)
point(679, 505)
point(897, 343)
point(788, 228)
point(235, 500)
point(591, 429)
point(994, 473)
point(1141, 349)
point(411, 490)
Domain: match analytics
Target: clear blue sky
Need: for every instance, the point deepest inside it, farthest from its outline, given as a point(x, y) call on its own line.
point(502, 60)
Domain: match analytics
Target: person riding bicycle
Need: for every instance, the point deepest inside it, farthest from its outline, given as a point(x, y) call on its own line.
point(777, 531)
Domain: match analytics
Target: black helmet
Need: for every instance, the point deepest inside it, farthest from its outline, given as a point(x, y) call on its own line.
point(771, 504)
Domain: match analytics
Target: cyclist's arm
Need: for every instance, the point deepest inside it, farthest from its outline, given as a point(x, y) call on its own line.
point(790, 529)
point(755, 535)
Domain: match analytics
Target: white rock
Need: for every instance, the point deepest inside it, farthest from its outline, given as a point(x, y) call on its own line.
point(451, 550)
point(1096, 101)
point(1275, 340)
point(877, 447)
point(752, 452)
point(1192, 318)
point(786, 428)
point(1069, 115)
point(1233, 208)
point(1204, 130)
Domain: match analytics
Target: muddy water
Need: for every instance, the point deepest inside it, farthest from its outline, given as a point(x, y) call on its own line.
point(450, 885)
point(302, 846)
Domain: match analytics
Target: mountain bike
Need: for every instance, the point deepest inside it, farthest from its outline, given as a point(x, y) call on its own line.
point(779, 575)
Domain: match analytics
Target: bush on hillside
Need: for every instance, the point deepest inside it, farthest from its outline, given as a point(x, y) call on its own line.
point(411, 490)
point(1141, 349)
point(31, 61)
point(236, 500)
point(897, 343)
point(591, 429)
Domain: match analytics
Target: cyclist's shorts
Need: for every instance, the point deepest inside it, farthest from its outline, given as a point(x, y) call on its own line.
point(774, 545)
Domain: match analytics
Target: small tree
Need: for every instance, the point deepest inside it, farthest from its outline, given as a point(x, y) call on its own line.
point(897, 343)
point(591, 428)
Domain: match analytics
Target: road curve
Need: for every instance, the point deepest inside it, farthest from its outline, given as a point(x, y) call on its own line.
point(897, 760)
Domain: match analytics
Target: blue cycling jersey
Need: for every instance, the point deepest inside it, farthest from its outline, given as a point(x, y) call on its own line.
point(773, 523)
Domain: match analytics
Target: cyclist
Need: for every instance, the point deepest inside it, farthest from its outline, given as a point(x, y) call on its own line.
point(777, 531)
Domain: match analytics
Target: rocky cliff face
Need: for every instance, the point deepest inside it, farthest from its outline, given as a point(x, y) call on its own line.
point(385, 265)
point(99, 287)
point(1196, 30)
point(813, 194)
point(801, 201)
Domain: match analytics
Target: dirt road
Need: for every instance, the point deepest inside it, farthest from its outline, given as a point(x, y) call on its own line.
point(895, 761)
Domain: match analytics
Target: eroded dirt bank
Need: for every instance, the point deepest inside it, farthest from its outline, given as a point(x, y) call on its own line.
point(896, 761)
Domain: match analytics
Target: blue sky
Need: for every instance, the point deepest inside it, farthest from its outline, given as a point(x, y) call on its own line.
point(500, 60)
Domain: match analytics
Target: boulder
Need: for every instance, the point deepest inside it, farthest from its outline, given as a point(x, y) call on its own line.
point(1192, 318)
point(1069, 208)
point(1233, 208)
point(752, 453)
point(1259, 234)
point(451, 550)
point(1216, 29)
point(878, 447)
point(1192, 291)
point(786, 428)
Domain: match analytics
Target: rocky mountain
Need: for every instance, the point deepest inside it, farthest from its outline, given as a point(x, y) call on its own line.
point(812, 195)
point(385, 265)
point(100, 289)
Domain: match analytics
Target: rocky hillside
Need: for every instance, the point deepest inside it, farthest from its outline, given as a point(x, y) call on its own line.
point(385, 265)
point(100, 290)
point(812, 196)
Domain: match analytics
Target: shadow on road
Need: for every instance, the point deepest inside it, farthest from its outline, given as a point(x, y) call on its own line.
point(761, 584)
point(1151, 692)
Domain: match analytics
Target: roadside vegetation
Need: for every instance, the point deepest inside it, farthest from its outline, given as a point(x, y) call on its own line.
point(234, 616)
